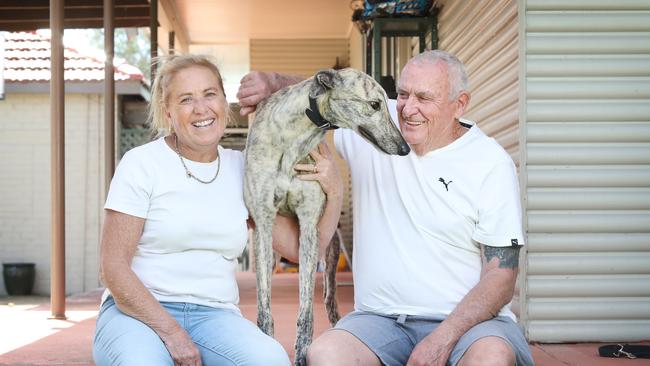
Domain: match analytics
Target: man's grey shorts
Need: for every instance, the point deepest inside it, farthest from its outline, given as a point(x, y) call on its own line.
point(392, 338)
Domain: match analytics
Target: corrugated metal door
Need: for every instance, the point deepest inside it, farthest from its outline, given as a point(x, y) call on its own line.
point(586, 107)
point(483, 34)
point(302, 57)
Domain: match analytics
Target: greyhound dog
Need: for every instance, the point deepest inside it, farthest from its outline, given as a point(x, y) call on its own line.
point(288, 125)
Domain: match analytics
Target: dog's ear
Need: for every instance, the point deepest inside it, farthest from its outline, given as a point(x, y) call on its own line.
point(325, 81)
point(326, 78)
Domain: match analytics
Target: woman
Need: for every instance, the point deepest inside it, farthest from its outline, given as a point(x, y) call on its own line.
point(175, 224)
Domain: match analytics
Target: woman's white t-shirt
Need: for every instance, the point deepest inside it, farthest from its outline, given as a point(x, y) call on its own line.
point(193, 232)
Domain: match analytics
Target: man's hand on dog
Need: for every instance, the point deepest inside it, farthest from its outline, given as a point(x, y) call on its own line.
point(256, 86)
point(324, 170)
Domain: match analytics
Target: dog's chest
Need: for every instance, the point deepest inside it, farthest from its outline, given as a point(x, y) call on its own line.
point(292, 194)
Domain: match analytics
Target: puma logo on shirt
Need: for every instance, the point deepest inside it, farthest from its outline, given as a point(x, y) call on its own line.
point(442, 180)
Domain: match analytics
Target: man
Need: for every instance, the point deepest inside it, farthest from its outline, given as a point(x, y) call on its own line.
point(437, 233)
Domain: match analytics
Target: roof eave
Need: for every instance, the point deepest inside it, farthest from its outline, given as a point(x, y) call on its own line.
point(122, 87)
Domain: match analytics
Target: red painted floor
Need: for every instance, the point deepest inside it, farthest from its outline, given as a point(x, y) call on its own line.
point(27, 337)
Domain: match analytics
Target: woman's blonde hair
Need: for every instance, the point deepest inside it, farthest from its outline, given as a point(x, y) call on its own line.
point(168, 67)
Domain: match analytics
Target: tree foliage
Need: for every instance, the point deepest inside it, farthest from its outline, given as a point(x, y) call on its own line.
point(131, 44)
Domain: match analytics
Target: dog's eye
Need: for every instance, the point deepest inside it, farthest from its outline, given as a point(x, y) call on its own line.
point(375, 105)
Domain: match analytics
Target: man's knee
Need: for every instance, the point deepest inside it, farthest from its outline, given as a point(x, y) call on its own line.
point(318, 351)
point(338, 347)
point(489, 351)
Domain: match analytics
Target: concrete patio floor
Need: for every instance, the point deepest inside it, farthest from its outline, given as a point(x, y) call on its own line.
point(28, 337)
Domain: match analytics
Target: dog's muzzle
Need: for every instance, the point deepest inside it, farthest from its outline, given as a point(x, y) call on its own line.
point(402, 147)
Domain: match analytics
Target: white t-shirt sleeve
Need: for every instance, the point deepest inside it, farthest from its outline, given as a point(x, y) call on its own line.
point(338, 144)
point(392, 108)
point(343, 143)
point(499, 208)
point(131, 187)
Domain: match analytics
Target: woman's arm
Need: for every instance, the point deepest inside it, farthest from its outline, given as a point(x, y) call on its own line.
point(120, 237)
point(286, 232)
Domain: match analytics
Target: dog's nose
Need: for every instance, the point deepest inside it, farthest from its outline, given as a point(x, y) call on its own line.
point(403, 149)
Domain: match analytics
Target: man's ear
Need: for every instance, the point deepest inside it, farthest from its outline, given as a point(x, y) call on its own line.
point(462, 103)
point(325, 81)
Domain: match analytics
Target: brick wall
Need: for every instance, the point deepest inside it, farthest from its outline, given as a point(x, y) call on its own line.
point(25, 186)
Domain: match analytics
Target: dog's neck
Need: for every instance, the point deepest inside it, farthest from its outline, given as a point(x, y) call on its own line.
point(288, 127)
point(307, 139)
point(314, 115)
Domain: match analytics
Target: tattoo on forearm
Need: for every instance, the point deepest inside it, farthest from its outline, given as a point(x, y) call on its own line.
point(508, 256)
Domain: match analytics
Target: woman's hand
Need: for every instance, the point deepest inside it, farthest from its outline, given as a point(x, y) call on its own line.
point(286, 231)
point(324, 170)
point(180, 346)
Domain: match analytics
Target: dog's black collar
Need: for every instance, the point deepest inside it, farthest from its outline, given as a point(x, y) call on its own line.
point(314, 115)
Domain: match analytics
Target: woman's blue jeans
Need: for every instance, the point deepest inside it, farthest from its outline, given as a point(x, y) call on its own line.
point(223, 337)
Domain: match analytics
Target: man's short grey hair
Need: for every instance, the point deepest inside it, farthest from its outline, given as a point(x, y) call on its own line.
point(456, 71)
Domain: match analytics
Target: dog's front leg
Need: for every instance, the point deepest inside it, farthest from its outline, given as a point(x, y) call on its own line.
point(263, 246)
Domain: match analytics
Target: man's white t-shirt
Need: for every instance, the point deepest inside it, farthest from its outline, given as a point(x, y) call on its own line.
point(193, 232)
point(418, 221)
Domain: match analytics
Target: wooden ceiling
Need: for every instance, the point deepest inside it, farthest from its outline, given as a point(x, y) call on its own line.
point(196, 21)
point(25, 15)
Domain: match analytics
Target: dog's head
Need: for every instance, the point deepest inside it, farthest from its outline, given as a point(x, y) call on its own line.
point(354, 100)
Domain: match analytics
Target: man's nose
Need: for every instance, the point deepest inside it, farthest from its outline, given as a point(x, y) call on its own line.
point(409, 108)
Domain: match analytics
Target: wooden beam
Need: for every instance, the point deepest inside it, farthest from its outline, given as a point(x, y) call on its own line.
point(109, 94)
point(74, 13)
point(169, 6)
point(71, 23)
point(172, 43)
point(28, 15)
point(153, 29)
point(69, 3)
point(57, 162)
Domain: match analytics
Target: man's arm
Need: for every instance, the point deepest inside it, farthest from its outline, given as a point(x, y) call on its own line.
point(256, 86)
point(494, 290)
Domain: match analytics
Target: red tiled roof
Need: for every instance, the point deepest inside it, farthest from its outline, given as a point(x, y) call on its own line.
point(27, 59)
